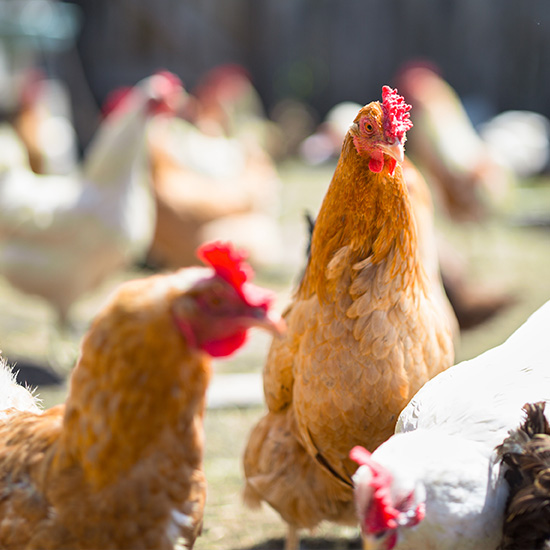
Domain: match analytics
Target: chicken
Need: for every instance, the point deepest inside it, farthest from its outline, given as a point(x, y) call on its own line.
point(438, 483)
point(43, 121)
point(119, 464)
point(229, 105)
point(366, 329)
point(526, 452)
point(61, 236)
point(236, 197)
point(468, 179)
point(519, 140)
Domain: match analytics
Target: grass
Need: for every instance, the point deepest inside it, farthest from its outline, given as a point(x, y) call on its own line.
point(228, 524)
point(500, 254)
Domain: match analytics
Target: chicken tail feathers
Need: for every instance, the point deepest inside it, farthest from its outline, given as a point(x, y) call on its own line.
point(526, 452)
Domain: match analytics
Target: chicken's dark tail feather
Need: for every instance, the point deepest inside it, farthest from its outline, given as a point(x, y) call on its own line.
point(310, 220)
point(526, 453)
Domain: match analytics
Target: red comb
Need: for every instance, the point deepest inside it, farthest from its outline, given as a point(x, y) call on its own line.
point(165, 81)
point(115, 99)
point(227, 262)
point(382, 515)
point(396, 113)
point(230, 265)
point(364, 458)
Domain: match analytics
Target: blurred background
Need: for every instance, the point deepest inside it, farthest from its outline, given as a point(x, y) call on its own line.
point(320, 52)
point(269, 90)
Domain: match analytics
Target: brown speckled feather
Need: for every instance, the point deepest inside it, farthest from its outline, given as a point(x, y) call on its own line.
point(366, 329)
point(526, 452)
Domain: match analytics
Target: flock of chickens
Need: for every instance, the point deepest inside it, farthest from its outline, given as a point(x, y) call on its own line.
point(67, 226)
point(368, 422)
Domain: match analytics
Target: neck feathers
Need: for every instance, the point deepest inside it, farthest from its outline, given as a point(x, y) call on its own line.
point(367, 212)
point(118, 147)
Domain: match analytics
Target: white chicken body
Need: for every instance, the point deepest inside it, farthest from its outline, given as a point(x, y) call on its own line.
point(446, 437)
point(481, 399)
point(62, 235)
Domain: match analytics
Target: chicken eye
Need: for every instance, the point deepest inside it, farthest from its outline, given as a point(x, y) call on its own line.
point(368, 127)
point(215, 301)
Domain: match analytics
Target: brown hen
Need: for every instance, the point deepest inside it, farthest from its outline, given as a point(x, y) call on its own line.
point(119, 465)
point(366, 329)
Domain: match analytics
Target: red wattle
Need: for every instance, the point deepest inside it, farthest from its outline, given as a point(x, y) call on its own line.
point(392, 163)
point(376, 165)
point(226, 346)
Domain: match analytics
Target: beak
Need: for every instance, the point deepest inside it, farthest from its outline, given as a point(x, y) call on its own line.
point(395, 150)
point(267, 320)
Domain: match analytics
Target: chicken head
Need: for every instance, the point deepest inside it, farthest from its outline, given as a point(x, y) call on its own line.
point(383, 504)
point(379, 130)
point(216, 313)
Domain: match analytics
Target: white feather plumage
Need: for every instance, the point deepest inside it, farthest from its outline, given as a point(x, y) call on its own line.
point(61, 236)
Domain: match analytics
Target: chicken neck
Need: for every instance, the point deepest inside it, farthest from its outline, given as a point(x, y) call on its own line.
point(367, 212)
point(115, 146)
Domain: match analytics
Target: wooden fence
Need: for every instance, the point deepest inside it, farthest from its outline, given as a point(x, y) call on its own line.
point(326, 51)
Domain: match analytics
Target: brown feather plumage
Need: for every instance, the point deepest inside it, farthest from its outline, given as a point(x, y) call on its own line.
point(365, 331)
point(119, 465)
point(109, 468)
point(526, 452)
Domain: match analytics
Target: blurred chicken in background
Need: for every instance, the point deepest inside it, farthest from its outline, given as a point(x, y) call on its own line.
point(326, 142)
point(471, 173)
point(212, 177)
point(465, 177)
point(228, 104)
point(43, 121)
point(520, 140)
point(61, 236)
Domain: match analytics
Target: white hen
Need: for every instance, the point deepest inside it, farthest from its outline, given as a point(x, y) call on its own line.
point(60, 236)
point(437, 483)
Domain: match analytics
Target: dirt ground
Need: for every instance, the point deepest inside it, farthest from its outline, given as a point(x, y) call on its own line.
point(502, 253)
